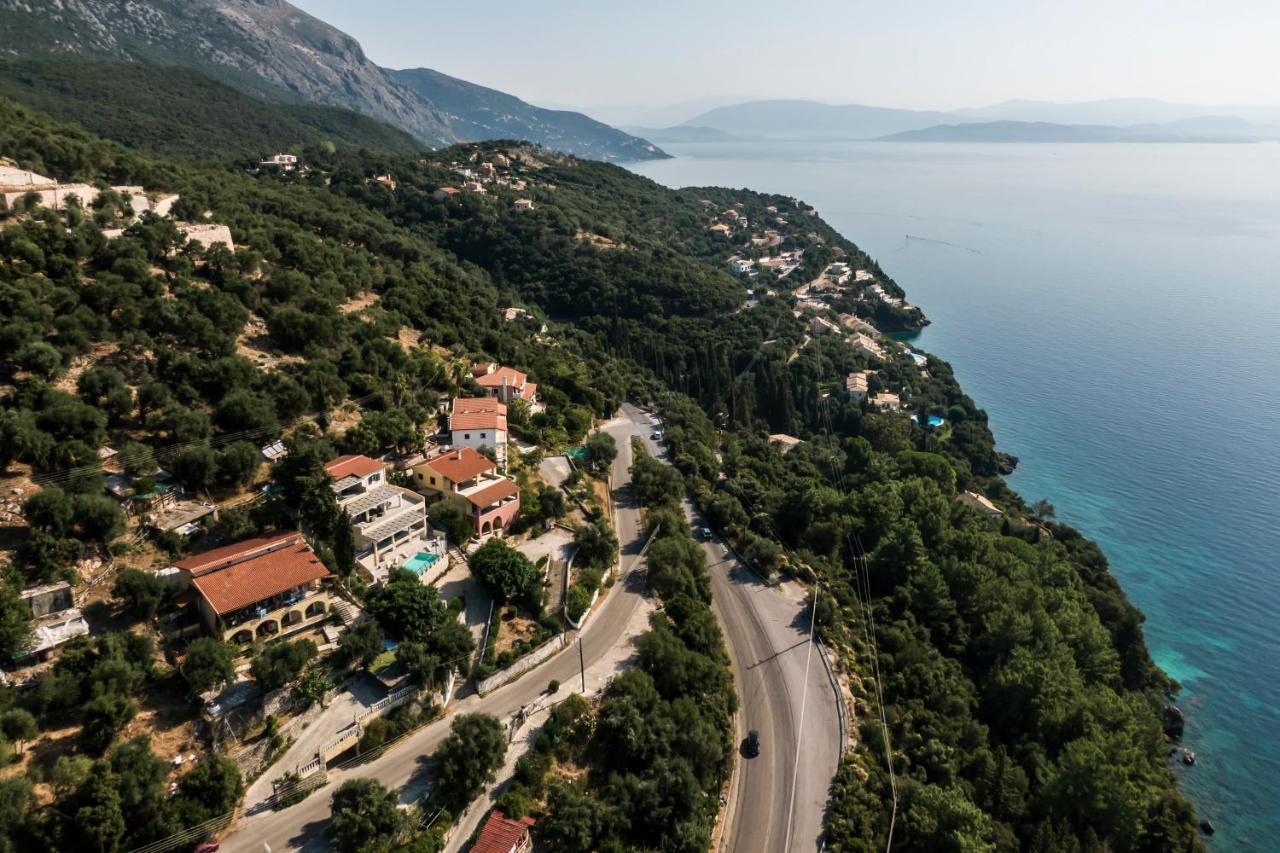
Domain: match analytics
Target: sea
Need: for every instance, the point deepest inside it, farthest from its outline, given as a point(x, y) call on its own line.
point(1116, 310)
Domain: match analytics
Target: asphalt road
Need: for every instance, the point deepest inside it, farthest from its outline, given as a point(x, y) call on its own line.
point(767, 631)
point(406, 766)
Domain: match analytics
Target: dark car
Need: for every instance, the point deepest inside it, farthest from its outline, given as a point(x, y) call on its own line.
point(751, 746)
point(704, 533)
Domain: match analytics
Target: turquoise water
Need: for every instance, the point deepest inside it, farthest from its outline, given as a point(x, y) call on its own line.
point(934, 420)
point(1116, 309)
point(419, 563)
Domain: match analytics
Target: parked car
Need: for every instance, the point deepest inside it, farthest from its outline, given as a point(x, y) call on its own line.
point(704, 533)
point(751, 746)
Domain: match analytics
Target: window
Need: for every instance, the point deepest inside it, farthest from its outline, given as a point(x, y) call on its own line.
point(466, 436)
point(482, 435)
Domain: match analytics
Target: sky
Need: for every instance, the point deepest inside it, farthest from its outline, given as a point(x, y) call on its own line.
point(923, 54)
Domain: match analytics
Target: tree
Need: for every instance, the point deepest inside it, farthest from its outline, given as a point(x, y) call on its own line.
point(601, 451)
point(15, 615)
point(469, 758)
point(209, 663)
point(140, 778)
point(50, 510)
point(137, 459)
point(423, 667)
point(449, 517)
point(100, 820)
point(365, 817)
point(281, 663)
point(142, 592)
point(209, 790)
point(16, 799)
point(655, 483)
point(361, 644)
point(313, 686)
point(98, 517)
point(103, 716)
point(596, 544)
point(18, 725)
point(505, 572)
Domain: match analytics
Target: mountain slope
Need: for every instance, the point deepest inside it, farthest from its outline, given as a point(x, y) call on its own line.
point(812, 120)
point(477, 113)
point(268, 48)
point(183, 113)
point(273, 50)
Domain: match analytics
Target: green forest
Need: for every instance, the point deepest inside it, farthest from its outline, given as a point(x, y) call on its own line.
point(1021, 709)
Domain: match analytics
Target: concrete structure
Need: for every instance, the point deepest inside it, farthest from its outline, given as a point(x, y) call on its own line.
point(259, 588)
point(55, 619)
point(283, 162)
point(863, 345)
point(466, 477)
point(389, 522)
point(207, 234)
point(981, 503)
point(504, 383)
point(501, 834)
point(445, 193)
point(522, 204)
point(473, 187)
point(479, 422)
point(886, 402)
point(855, 386)
point(782, 441)
point(823, 326)
point(857, 324)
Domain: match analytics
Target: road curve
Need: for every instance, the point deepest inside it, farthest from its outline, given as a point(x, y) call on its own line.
point(767, 633)
point(405, 765)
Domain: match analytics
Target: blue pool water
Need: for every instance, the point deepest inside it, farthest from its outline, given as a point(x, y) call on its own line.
point(1116, 310)
point(419, 563)
point(934, 420)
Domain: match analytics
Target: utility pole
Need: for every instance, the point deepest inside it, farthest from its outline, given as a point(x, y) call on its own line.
point(582, 667)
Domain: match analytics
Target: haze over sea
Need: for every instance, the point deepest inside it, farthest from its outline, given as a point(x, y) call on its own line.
point(1116, 310)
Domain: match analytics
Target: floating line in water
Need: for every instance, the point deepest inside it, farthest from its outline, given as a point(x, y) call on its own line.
point(911, 237)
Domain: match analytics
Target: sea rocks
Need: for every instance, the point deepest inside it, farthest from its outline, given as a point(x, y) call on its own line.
point(1206, 827)
point(1171, 716)
point(1006, 463)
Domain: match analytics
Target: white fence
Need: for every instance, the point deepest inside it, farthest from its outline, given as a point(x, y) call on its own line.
point(520, 667)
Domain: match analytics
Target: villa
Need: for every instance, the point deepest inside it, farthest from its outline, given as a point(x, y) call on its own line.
point(855, 386)
point(479, 422)
point(501, 834)
point(389, 522)
point(445, 193)
point(863, 345)
point(260, 588)
point(886, 402)
point(823, 326)
point(782, 441)
point(505, 384)
point(468, 478)
point(980, 503)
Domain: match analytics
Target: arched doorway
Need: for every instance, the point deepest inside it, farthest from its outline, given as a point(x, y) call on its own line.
point(242, 637)
point(315, 608)
point(268, 629)
point(293, 617)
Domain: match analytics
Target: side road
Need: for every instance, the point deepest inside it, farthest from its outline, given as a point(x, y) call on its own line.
point(406, 766)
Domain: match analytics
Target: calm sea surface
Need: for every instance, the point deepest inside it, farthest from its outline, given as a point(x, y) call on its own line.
point(1116, 309)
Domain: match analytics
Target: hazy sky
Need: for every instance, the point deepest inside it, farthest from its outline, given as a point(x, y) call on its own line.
point(910, 53)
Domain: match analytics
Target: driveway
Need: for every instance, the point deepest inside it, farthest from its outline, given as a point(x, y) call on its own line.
point(359, 693)
point(555, 470)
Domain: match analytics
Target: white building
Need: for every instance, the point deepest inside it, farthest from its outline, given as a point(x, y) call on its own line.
point(886, 402)
point(855, 386)
point(863, 345)
point(480, 422)
point(283, 162)
point(389, 522)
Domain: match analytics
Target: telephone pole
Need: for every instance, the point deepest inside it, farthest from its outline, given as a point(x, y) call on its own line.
point(582, 667)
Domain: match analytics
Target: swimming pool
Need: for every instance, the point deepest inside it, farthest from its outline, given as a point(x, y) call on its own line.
point(419, 563)
point(934, 420)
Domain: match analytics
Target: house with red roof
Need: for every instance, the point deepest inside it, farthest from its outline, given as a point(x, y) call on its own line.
point(259, 588)
point(501, 834)
point(467, 477)
point(504, 383)
point(479, 422)
point(388, 522)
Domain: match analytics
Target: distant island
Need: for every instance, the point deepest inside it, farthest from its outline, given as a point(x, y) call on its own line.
point(1041, 131)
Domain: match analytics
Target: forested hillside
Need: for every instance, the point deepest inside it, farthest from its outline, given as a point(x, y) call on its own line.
point(183, 113)
point(1021, 707)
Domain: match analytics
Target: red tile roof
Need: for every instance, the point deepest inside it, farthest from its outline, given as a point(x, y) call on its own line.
point(347, 466)
point(501, 834)
point(478, 413)
point(459, 465)
point(228, 554)
point(495, 378)
point(492, 494)
point(257, 578)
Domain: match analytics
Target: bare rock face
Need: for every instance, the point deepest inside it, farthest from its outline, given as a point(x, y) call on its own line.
point(267, 48)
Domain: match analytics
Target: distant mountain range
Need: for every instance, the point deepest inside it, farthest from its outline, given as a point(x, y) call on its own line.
point(1121, 120)
point(274, 51)
point(1043, 131)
